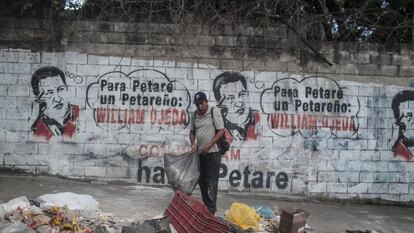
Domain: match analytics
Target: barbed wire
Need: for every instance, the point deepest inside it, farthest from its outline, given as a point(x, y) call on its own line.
point(381, 21)
point(312, 19)
point(384, 22)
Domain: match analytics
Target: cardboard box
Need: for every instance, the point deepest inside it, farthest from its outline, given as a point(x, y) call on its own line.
point(292, 221)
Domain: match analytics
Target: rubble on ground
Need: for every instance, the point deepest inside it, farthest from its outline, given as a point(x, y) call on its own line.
point(62, 212)
point(78, 213)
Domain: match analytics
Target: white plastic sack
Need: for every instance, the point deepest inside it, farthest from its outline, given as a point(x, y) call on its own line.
point(182, 171)
point(12, 205)
point(72, 201)
point(16, 227)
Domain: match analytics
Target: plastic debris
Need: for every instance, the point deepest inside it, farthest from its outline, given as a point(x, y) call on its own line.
point(182, 171)
point(12, 205)
point(20, 217)
point(15, 227)
point(265, 212)
point(188, 215)
point(35, 201)
point(72, 201)
point(243, 216)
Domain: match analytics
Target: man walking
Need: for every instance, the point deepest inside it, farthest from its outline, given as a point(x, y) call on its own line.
point(206, 129)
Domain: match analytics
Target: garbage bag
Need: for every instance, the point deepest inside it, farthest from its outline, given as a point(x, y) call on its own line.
point(72, 201)
point(12, 205)
point(182, 171)
point(15, 227)
point(265, 212)
point(243, 216)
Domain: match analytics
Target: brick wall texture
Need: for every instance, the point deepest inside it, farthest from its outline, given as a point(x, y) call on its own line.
point(107, 101)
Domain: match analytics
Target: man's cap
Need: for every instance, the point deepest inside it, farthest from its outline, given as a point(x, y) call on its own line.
point(199, 97)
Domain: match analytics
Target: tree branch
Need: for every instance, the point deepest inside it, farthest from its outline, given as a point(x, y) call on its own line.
point(314, 50)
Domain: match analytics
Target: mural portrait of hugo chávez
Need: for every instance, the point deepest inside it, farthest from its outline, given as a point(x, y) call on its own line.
point(56, 115)
point(405, 122)
point(230, 92)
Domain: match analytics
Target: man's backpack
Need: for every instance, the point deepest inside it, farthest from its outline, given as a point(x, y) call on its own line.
point(222, 144)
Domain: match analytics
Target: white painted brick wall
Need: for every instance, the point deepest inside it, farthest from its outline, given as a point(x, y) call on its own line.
point(406, 177)
point(26, 148)
point(73, 149)
point(75, 58)
point(370, 155)
point(87, 70)
point(360, 165)
point(16, 136)
point(29, 57)
point(377, 187)
point(97, 149)
point(327, 176)
point(164, 64)
point(336, 187)
point(406, 197)
point(95, 171)
point(142, 63)
point(398, 188)
point(7, 78)
point(15, 159)
point(388, 177)
point(411, 188)
point(75, 171)
point(8, 56)
point(390, 197)
point(18, 91)
point(7, 148)
point(358, 187)
point(317, 187)
point(3, 136)
point(368, 177)
point(118, 172)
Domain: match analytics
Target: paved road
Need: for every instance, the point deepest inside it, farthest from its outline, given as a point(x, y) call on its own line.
point(134, 203)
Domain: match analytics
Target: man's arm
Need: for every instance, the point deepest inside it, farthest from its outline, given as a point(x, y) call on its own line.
point(192, 140)
point(192, 135)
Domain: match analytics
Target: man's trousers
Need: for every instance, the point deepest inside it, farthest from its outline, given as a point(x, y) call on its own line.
point(209, 176)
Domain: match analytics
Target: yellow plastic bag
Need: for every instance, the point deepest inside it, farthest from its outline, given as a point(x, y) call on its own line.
point(243, 216)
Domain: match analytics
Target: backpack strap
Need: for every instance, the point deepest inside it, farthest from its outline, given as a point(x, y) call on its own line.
point(212, 118)
point(195, 114)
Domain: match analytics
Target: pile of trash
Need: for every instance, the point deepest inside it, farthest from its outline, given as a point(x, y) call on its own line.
point(183, 172)
point(78, 213)
point(243, 218)
point(53, 213)
point(69, 213)
point(188, 215)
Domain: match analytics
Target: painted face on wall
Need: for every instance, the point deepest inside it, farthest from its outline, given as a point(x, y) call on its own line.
point(52, 93)
point(234, 97)
point(408, 123)
point(403, 114)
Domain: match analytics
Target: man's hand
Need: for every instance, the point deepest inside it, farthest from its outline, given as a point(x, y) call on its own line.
point(206, 148)
point(194, 146)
